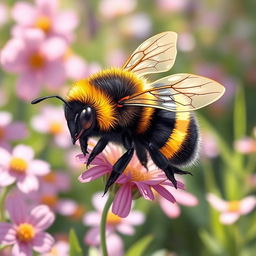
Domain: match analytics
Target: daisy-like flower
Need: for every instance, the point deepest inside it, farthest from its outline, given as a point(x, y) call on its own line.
point(44, 15)
point(60, 248)
point(9, 130)
point(232, 210)
point(182, 198)
point(135, 178)
point(38, 61)
point(246, 145)
point(52, 121)
point(114, 224)
point(26, 230)
point(21, 167)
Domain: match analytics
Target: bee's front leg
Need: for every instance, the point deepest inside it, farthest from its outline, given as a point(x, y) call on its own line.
point(101, 144)
point(83, 144)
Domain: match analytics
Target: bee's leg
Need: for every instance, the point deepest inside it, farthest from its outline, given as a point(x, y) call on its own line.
point(84, 144)
point(163, 163)
point(178, 171)
point(141, 153)
point(122, 162)
point(119, 167)
point(101, 144)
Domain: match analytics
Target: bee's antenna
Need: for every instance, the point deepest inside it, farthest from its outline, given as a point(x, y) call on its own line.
point(35, 101)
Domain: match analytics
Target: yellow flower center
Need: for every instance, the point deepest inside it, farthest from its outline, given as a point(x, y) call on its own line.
point(18, 165)
point(43, 23)
point(55, 128)
point(137, 174)
point(113, 219)
point(25, 232)
point(234, 206)
point(50, 200)
point(2, 133)
point(50, 177)
point(36, 60)
point(53, 252)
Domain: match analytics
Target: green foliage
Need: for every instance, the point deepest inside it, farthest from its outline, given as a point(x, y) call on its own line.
point(140, 246)
point(75, 248)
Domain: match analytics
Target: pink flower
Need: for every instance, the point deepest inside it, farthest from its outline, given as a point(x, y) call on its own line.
point(44, 16)
point(232, 210)
point(113, 8)
point(51, 120)
point(9, 130)
point(209, 146)
point(173, 5)
point(26, 232)
point(72, 162)
point(114, 223)
point(246, 145)
point(60, 248)
point(182, 197)
point(134, 178)
point(37, 60)
point(20, 167)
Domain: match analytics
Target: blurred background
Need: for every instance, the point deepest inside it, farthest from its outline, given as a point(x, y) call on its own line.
point(216, 39)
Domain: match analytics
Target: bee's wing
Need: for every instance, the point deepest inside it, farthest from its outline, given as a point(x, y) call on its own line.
point(179, 92)
point(157, 54)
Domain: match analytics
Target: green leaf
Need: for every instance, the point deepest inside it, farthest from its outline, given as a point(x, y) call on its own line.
point(139, 247)
point(75, 248)
point(212, 245)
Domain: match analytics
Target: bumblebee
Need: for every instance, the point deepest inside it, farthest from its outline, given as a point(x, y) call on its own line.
point(150, 118)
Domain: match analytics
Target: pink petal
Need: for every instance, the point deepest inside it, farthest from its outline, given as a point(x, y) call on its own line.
point(43, 242)
point(92, 237)
point(248, 204)
point(16, 131)
point(65, 22)
point(125, 229)
point(164, 193)
point(172, 210)
point(229, 217)
point(41, 217)
point(5, 118)
point(16, 208)
point(92, 219)
point(93, 173)
point(115, 245)
point(24, 13)
point(76, 67)
point(29, 85)
point(145, 190)
point(39, 167)
point(5, 158)
point(22, 249)
point(7, 234)
point(54, 48)
point(24, 152)
point(67, 207)
point(135, 218)
point(54, 74)
point(98, 201)
point(33, 38)
point(13, 56)
point(184, 198)
point(47, 7)
point(40, 124)
point(28, 184)
point(123, 201)
point(63, 140)
point(217, 203)
point(6, 179)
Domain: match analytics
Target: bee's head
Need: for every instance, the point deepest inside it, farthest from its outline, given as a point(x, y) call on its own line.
point(80, 118)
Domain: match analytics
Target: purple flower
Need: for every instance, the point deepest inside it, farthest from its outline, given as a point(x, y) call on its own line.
point(60, 248)
point(9, 130)
point(44, 16)
point(37, 60)
point(26, 230)
point(134, 179)
point(20, 167)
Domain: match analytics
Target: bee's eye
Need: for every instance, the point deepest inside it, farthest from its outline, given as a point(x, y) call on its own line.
point(86, 118)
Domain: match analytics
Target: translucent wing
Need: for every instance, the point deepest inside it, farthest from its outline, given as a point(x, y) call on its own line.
point(179, 92)
point(155, 55)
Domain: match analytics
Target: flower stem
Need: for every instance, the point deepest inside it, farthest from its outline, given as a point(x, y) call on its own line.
point(103, 225)
point(2, 201)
